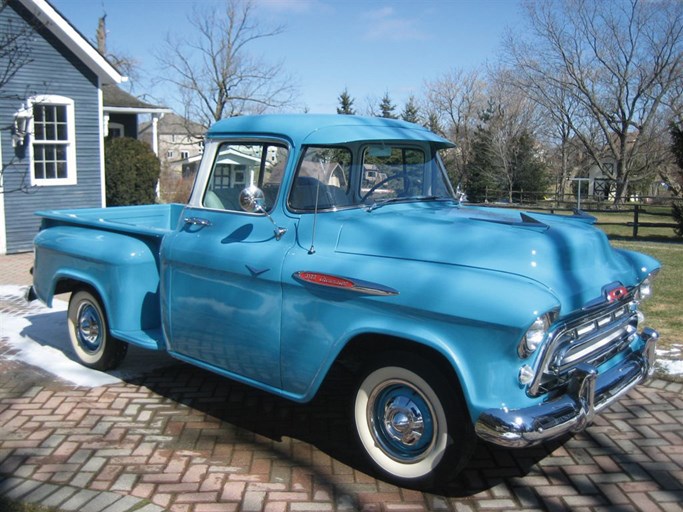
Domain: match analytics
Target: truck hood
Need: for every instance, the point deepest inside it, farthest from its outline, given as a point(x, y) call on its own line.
point(567, 255)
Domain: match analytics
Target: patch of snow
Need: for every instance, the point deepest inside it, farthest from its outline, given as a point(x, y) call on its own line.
point(670, 361)
point(41, 338)
point(670, 367)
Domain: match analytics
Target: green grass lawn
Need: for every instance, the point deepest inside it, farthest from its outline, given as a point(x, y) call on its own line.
point(615, 225)
point(663, 311)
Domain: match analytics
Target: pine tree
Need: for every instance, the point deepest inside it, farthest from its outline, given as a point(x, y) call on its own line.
point(345, 104)
point(433, 123)
point(482, 167)
point(387, 108)
point(677, 150)
point(529, 173)
point(411, 112)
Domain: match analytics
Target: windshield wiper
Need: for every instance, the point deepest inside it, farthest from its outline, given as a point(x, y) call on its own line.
point(382, 202)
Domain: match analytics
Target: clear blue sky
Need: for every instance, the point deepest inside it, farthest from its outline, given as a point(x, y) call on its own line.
point(370, 47)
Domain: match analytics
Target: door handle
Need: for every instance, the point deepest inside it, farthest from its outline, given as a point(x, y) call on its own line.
point(197, 221)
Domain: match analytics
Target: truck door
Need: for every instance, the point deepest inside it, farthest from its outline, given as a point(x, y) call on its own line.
point(222, 269)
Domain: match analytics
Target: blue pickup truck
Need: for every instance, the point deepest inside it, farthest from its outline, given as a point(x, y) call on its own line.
point(310, 241)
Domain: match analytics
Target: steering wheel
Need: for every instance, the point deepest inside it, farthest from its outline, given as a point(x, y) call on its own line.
point(382, 182)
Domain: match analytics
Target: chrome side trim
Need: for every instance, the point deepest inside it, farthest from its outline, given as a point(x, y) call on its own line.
point(343, 283)
point(197, 221)
point(587, 394)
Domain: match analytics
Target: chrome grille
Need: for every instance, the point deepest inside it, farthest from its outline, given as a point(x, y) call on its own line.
point(591, 338)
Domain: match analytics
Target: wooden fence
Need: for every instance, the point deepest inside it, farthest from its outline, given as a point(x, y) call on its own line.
point(657, 207)
point(636, 224)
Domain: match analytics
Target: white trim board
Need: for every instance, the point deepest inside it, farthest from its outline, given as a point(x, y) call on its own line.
point(3, 233)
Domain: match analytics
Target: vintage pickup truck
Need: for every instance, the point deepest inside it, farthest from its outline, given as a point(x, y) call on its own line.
point(310, 241)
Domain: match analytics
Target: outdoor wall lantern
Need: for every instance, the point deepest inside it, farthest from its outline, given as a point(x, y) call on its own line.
point(22, 123)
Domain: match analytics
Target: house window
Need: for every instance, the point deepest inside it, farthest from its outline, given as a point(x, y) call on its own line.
point(184, 155)
point(53, 147)
point(169, 154)
point(116, 130)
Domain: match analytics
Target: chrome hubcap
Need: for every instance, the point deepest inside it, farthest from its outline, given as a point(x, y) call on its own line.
point(402, 421)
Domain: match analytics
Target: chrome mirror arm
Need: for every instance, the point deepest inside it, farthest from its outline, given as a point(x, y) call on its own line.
point(252, 200)
point(278, 231)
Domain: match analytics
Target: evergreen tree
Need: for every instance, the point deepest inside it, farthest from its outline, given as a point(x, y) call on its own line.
point(677, 146)
point(482, 168)
point(411, 111)
point(529, 173)
point(387, 108)
point(345, 103)
point(433, 123)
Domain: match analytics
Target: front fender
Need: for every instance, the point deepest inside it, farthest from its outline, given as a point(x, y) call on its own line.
point(473, 318)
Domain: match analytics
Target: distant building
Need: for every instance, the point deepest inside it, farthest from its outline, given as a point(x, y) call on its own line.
point(181, 143)
point(122, 112)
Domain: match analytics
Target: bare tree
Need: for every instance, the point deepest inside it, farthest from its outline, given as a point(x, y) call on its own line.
point(215, 74)
point(16, 43)
point(557, 110)
point(607, 66)
point(456, 100)
point(15, 48)
point(512, 116)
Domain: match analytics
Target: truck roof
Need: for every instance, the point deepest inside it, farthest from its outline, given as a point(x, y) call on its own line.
point(325, 129)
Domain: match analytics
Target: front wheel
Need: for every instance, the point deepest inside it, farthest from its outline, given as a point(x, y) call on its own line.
point(411, 422)
point(89, 333)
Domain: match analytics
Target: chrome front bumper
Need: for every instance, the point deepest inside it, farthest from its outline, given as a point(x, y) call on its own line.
point(587, 393)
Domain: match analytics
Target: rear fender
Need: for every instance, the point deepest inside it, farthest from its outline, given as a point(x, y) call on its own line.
point(122, 269)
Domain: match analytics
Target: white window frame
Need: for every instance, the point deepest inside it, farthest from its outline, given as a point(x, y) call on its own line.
point(3, 229)
point(70, 143)
point(114, 127)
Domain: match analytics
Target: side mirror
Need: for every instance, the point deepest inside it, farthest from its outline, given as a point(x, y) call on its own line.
point(253, 200)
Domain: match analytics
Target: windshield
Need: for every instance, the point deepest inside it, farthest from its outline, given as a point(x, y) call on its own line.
point(339, 177)
point(395, 172)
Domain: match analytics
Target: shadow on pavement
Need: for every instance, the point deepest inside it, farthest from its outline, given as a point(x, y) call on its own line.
point(325, 423)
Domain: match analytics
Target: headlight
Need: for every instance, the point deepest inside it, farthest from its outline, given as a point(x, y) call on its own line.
point(536, 334)
point(645, 288)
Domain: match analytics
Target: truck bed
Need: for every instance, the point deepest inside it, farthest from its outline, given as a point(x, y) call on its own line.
point(151, 220)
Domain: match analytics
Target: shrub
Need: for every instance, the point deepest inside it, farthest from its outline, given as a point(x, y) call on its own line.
point(132, 172)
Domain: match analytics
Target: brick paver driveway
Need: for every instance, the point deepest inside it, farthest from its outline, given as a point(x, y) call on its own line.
point(189, 441)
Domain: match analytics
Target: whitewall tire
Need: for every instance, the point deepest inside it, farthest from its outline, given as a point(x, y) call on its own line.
point(89, 333)
point(410, 422)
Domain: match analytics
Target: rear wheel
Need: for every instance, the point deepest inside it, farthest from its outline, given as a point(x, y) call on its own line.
point(89, 333)
point(411, 423)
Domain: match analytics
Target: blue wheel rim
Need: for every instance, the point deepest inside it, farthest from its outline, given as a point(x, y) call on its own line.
point(89, 328)
point(402, 422)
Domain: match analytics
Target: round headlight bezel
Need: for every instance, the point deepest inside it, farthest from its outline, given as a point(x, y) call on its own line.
point(536, 334)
